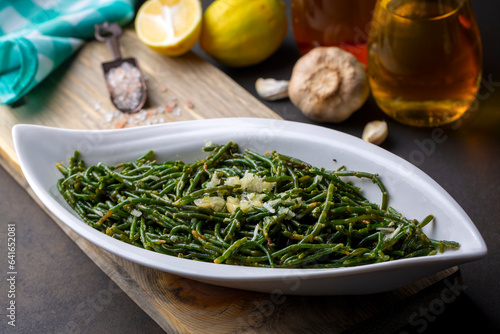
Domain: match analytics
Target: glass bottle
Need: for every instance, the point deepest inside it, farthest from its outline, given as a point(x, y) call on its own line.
point(342, 23)
point(424, 60)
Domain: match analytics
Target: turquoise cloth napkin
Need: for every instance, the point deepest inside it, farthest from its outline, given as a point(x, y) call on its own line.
point(36, 36)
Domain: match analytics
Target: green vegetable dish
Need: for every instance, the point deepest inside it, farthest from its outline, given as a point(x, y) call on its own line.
point(244, 208)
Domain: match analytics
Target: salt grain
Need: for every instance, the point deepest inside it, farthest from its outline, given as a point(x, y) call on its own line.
point(171, 105)
point(149, 116)
point(120, 123)
point(108, 117)
point(176, 111)
point(141, 115)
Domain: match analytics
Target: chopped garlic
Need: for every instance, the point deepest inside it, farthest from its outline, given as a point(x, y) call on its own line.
point(214, 181)
point(274, 202)
point(98, 212)
point(250, 182)
point(385, 229)
point(245, 206)
point(286, 211)
point(393, 234)
point(232, 203)
point(269, 207)
point(253, 183)
point(215, 203)
point(255, 232)
point(249, 200)
point(271, 204)
point(136, 213)
point(246, 202)
point(232, 181)
point(296, 200)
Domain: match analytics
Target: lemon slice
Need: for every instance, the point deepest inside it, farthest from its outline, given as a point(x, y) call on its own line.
point(170, 27)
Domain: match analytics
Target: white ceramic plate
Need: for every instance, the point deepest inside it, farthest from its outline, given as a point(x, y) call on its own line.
point(411, 192)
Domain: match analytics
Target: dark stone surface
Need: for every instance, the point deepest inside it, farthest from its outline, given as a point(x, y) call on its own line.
point(60, 290)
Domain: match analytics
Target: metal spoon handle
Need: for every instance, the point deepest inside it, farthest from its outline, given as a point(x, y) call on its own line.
point(114, 48)
point(109, 33)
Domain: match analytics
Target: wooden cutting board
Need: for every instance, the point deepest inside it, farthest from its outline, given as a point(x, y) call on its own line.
point(188, 88)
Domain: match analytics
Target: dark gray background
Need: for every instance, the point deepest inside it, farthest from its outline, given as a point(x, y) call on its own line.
point(60, 290)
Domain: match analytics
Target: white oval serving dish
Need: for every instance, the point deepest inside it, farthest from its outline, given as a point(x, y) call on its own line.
point(411, 192)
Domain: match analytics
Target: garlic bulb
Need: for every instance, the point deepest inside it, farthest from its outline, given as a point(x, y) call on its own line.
point(328, 84)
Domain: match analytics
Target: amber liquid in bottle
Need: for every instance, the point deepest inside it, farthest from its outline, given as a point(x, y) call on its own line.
point(424, 60)
point(341, 23)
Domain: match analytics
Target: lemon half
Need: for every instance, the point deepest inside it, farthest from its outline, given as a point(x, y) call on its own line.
point(171, 27)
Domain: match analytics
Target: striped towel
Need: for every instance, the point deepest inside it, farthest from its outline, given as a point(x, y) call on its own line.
point(36, 36)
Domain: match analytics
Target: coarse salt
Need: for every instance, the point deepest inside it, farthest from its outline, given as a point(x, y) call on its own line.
point(126, 87)
point(108, 117)
point(176, 111)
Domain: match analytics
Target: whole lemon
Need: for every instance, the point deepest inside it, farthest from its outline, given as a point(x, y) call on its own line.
point(240, 33)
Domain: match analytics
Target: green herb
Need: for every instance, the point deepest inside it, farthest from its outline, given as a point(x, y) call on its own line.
point(244, 208)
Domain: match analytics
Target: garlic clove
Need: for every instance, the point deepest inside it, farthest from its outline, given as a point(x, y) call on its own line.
point(375, 132)
point(272, 89)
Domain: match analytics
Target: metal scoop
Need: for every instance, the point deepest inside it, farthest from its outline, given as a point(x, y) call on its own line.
point(137, 93)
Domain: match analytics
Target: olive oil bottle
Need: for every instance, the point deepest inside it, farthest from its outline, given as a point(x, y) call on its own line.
point(341, 23)
point(424, 60)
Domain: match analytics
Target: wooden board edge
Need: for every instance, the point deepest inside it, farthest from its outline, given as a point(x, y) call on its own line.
point(12, 167)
